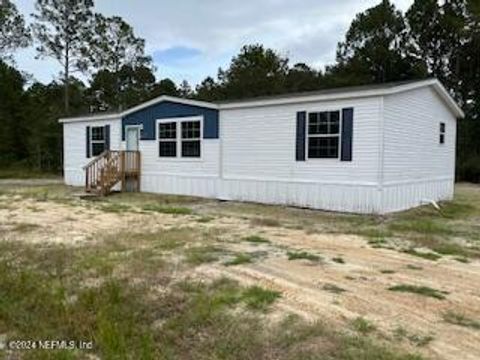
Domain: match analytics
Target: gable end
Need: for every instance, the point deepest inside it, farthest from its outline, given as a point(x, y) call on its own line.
point(146, 117)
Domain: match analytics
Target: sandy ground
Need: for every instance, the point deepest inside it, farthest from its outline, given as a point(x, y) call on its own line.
point(301, 282)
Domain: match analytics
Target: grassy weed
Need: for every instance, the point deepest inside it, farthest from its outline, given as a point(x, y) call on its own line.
point(174, 210)
point(363, 326)
point(420, 290)
point(303, 255)
point(239, 259)
point(256, 239)
point(461, 319)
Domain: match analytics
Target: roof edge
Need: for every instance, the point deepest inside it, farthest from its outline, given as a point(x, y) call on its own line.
point(348, 94)
point(100, 116)
point(351, 94)
point(92, 117)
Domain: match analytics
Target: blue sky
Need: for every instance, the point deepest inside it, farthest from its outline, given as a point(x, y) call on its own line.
point(191, 39)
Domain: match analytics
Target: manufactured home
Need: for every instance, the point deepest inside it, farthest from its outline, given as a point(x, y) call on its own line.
point(367, 149)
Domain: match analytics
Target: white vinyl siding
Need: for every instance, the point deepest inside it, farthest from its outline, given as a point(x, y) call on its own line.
point(411, 143)
point(259, 143)
point(416, 167)
point(74, 147)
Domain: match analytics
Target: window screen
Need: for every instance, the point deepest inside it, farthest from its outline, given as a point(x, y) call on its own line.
point(191, 139)
point(97, 140)
point(323, 135)
point(167, 135)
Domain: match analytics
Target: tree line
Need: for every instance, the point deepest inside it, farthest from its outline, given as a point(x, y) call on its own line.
point(433, 38)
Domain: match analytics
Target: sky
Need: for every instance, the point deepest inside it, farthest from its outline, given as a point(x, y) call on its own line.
point(190, 39)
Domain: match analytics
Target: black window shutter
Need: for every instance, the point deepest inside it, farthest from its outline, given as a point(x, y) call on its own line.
point(88, 141)
point(347, 134)
point(107, 137)
point(300, 142)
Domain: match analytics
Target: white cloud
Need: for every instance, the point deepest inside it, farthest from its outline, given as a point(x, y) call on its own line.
point(305, 30)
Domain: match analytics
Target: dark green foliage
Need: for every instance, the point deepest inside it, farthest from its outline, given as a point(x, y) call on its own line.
point(63, 30)
point(13, 119)
point(13, 32)
point(165, 87)
point(125, 77)
point(376, 48)
point(255, 71)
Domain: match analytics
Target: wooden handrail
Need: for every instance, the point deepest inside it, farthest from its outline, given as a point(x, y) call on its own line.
point(111, 167)
point(95, 159)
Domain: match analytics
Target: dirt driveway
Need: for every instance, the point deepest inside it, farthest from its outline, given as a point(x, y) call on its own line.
point(427, 305)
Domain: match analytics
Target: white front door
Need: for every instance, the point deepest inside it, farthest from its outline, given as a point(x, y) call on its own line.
point(132, 138)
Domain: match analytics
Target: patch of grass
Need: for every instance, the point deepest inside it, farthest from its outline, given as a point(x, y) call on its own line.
point(414, 267)
point(387, 271)
point(450, 249)
point(338, 260)
point(35, 306)
point(462, 259)
point(239, 259)
point(167, 209)
point(425, 255)
point(420, 290)
point(265, 222)
point(299, 255)
point(116, 208)
point(41, 298)
point(401, 333)
point(202, 254)
point(363, 326)
point(162, 239)
point(256, 239)
point(420, 225)
point(460, 319)
point(377, 241)
point(205, 219)
point(333, 288)
point(25, 227)
point(257, 298)
point(457, 209)
point(26, 173)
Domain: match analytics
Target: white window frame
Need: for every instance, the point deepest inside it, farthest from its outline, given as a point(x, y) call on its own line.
point(97, 141)
point(308, 136)
point(178, 123)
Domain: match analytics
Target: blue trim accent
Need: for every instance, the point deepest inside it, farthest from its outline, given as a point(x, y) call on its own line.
point(87, 141)
point(168, 109)
point(107, 137)
point(347, 134)
point(301, 132)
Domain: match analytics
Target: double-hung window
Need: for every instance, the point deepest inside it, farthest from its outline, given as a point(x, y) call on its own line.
point(180, 138)
point(323, 135)
point(191, 139)
point(167, 139)
point(97, 140)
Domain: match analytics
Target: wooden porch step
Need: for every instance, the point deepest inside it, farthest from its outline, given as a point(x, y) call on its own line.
point(110, 168)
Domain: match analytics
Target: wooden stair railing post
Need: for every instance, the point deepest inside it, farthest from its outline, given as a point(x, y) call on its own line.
point(138, 161)
point(110, 168)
